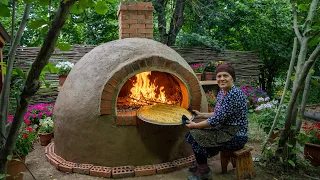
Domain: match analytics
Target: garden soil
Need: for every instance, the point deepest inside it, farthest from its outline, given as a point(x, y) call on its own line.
point(43, 170)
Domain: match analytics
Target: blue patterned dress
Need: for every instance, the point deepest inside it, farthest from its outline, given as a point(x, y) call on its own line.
point(230, 109)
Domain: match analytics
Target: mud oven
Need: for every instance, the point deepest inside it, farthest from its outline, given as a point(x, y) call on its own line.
point(95, 112)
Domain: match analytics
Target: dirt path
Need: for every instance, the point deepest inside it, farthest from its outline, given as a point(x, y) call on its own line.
point(43, 170)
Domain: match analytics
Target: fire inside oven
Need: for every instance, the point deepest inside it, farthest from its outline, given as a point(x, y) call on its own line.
point(149, 88)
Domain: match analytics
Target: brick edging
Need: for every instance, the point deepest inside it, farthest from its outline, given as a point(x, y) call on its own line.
point(114, 172)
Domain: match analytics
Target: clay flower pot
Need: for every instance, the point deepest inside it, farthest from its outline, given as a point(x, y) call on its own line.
point(45, 138)
point(16, 168)
point(208, 76)
point(312, 153)
point(199, 76)
point(62, 78)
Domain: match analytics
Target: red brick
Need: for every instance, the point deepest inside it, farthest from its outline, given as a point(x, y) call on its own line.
point(122, 171)
point(66, 166)
point(144, 21)
point(82, 168)
point(150, 16)
point(118, 76)
point(139, 17)
point(124, 35)
point(137, 8)
point(196, 95)
point(58, 158)
point(134, 118)
point(107, 96)
point(195, 107)
point(48, 157)
point(195, 90)
point(183, 162)
point(54, 163)
point(129, 30)
point(146, 4)
point(165, 167)
point(109, 88)
point(130, 21)
point(124, 26)
point(145, 170)
point(158, 61)
point(149, 62)
point(135, 66)
point(145, 30)
point(122, 7)
point(105, 111)
point(100, 171)
point(142, 63)
point(129, 69)
point(113, 82)
point(134, 34)
point(141, 35)
point(106, 104)
point(149, 26)
point(119, 119)
point(132, 12)
point(173, 66)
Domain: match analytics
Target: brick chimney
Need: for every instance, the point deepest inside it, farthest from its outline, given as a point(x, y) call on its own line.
point(135, 20)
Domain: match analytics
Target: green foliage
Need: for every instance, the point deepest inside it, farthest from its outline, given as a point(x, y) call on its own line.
point(211, 67)
point(266, 116)
point(211, 98)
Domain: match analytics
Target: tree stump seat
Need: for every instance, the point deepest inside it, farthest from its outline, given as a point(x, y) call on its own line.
point(241, 160)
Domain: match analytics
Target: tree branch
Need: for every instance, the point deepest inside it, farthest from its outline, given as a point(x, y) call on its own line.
point(4, 98)
point(32, 83)
point(295, 21)
point(176, 22)
point(311, 12)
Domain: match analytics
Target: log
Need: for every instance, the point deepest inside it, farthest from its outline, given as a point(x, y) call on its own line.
point(312, 115)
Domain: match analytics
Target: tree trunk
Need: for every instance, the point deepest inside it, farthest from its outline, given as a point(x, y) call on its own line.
point(160, 7)
point(32, 82)
point(303, 67)
point(5, 93)
point(276, 118)
point(176, 22)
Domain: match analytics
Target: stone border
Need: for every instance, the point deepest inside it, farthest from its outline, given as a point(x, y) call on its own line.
point(114, 172)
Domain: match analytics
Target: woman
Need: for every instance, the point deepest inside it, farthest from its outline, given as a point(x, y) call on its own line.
point(224, 130)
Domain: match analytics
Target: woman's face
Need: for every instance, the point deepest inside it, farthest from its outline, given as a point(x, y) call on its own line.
point(225, 80)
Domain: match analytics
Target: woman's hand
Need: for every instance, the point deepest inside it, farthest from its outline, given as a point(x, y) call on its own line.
point(191, 124)
point(197, 113)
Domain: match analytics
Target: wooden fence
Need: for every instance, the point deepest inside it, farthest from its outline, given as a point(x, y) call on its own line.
point(246, 64)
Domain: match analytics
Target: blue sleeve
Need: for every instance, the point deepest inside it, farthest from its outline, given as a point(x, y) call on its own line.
point(224, 112)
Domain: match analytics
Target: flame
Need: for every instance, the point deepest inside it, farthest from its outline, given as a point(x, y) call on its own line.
point(144, 89)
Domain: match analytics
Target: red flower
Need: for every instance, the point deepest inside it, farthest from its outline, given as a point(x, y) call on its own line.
point(30, 129)
point(25, 135)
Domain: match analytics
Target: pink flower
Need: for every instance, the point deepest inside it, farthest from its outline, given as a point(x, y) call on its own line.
point(34, 116)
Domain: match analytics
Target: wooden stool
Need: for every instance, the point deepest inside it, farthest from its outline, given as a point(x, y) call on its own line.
point(241, 160)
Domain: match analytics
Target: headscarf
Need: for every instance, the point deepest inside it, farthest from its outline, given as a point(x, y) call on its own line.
point(226, 68)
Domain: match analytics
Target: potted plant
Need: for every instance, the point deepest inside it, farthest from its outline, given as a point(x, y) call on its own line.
point(37, 112)
point(198, 68)
point(24, 145)
point(312, 147)
point(45, 131)
point(210, 70)
point(63, 69)
point(211, 98)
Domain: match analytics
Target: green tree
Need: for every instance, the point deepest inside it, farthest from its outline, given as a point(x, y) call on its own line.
point(9, 135)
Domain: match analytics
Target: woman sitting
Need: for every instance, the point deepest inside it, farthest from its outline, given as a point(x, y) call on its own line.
point(224, 130)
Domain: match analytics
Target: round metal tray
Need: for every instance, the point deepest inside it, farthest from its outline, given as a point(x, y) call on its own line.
point(162, 124)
